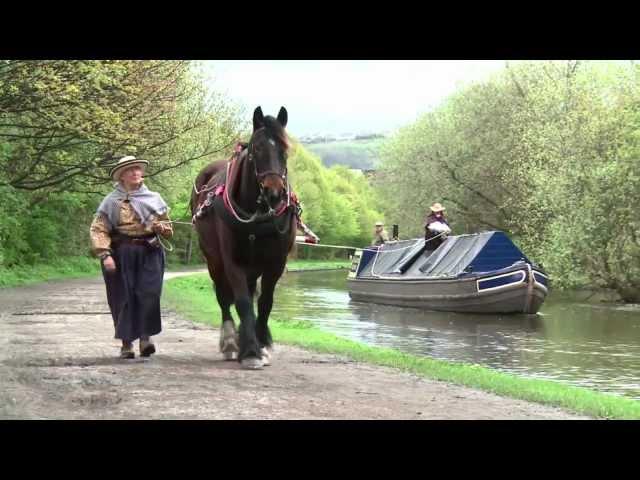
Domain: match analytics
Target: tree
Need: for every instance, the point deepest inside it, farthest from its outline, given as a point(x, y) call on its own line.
point(545, 151)
point(62, 123)
point(338, 204)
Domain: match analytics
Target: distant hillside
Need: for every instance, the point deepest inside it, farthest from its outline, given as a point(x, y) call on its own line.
point(361, 154)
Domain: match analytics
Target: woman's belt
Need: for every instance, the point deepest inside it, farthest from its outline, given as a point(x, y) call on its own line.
point(150, 241)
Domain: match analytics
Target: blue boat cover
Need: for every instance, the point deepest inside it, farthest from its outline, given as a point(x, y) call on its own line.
point(457, 255)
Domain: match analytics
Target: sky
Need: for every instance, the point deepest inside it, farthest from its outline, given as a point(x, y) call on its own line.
point(344, 96)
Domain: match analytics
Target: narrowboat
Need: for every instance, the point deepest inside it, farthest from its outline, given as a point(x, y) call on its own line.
point(476, 273)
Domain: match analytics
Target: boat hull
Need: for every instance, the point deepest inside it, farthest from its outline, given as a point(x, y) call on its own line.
point(520, 292)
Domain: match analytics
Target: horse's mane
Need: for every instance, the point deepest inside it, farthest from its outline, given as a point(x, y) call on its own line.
point(275, 131)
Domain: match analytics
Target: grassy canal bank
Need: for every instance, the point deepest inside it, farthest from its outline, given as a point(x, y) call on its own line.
point(68, 267)
point(79, 267)
point(203, 308)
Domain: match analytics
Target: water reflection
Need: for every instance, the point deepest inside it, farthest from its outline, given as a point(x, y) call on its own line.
point(592, 345)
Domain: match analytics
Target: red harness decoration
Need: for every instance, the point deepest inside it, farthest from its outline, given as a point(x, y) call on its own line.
point(222, 189)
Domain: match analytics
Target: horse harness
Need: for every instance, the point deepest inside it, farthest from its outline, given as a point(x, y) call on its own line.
point(272, 222)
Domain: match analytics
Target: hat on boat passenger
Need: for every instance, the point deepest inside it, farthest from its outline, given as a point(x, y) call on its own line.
point(436, 207)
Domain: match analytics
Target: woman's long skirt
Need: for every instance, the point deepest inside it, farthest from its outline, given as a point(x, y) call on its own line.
point(134, 289)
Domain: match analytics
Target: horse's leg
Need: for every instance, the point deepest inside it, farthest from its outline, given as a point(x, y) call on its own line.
point(249, 355)
point(228, 337)
point(265, 303)
point(252, 283)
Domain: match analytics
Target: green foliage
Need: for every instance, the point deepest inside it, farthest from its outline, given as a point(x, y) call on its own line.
point(62, 123)
point(338, 204)
point(67, 267)
point(12, 235)
point(360, 154)
point(546, 151)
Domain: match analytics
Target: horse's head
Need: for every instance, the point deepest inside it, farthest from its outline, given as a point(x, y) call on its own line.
point(268, 149)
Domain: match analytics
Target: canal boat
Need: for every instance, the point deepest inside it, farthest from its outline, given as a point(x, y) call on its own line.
point(476, 273)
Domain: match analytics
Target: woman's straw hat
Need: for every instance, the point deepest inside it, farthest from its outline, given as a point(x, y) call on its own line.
point(124, 163)
point(436, 207)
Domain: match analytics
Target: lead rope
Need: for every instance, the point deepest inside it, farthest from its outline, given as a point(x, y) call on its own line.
point(168, 249)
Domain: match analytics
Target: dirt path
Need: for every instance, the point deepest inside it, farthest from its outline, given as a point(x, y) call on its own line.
point(58, 361)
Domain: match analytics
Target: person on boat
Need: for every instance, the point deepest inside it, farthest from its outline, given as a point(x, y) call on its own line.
point(380, 235)
point(436, 227)
point(124, 235)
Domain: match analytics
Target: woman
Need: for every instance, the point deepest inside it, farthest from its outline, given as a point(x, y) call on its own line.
point(124, 235)
point(436, 227)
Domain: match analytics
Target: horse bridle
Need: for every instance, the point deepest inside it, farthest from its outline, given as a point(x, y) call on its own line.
point(260, 176)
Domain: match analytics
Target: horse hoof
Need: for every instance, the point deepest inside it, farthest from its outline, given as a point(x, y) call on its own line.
point(229, 347)
point(230, 356)
point(266, 356)
point(252, 363)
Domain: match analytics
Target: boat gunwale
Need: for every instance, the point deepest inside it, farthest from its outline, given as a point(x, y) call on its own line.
point(475, 276)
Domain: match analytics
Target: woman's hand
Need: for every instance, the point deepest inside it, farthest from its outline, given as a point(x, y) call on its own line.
point(158, 228)
point(109, 264)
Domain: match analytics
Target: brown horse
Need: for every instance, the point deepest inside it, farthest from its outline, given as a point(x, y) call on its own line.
point(246, 224)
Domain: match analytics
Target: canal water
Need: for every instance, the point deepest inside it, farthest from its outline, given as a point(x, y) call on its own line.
point(573, 339)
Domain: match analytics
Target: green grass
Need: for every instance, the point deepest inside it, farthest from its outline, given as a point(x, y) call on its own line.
point(81, 267)
point(202, 307)
point(300, 265)
point(292, 265)
point(69, 267)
